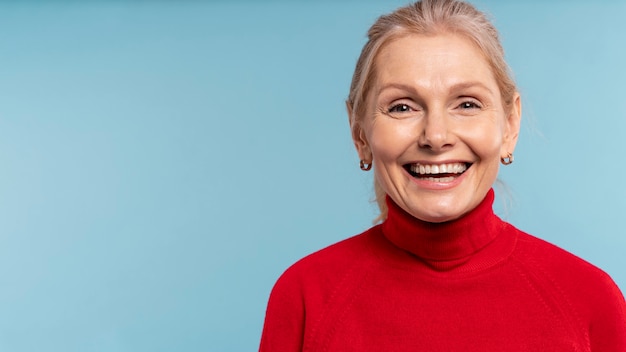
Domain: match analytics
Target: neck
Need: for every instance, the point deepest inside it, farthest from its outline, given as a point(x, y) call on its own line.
point(443, 245)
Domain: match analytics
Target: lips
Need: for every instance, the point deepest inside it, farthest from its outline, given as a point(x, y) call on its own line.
point(437, 172)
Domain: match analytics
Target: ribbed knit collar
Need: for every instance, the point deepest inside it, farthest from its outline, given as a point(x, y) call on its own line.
point(443, 245)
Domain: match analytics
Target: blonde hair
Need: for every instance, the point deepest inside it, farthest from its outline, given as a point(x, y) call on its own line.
point(427, 17)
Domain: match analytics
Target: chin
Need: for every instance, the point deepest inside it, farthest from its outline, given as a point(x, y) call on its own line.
point(445, 211)
point(438, 218)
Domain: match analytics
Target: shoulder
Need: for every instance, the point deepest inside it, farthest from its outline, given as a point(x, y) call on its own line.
point(585, 287)
point(332, 262)
point(313, 280)
point(550, 259)
point(306, 290)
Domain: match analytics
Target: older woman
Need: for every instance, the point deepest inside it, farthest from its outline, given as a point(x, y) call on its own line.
point(434, 110)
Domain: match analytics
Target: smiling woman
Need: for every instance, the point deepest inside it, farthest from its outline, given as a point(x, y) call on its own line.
point(434, 111)
point(432, 108)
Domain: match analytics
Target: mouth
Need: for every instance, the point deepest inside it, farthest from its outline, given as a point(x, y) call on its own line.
point(437, 172)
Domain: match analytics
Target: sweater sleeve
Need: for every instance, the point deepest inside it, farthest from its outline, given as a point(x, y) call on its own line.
point(284, 319)
point(607, 331)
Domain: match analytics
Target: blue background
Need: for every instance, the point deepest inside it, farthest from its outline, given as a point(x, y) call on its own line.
point(162, 163)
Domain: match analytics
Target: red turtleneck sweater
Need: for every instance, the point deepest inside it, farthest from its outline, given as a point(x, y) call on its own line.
point(473, 284)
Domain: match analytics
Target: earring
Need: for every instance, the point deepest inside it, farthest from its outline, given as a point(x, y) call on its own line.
point(365, 166)
point(507, 160)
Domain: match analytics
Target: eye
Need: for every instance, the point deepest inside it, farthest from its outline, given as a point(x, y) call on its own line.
point(467, 105)
point(399, 108)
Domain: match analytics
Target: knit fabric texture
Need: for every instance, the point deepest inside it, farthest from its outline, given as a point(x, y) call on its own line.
point(473, 284)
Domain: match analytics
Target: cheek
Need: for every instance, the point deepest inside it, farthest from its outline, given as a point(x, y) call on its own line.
point(485, 140)
point(390, 138)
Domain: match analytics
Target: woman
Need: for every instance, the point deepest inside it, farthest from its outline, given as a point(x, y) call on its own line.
point(434, 110)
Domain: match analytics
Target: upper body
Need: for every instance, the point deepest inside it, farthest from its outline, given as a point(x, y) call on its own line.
point(434, 111)
point(482, 286)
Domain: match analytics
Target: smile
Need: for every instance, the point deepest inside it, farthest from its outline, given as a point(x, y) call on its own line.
point(437, 173)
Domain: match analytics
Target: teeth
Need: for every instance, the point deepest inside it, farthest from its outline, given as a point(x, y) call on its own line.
point(440, 179)
point(452, 168)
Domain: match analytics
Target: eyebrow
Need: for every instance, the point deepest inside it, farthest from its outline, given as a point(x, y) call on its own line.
point(455, 87)
point(471, 84)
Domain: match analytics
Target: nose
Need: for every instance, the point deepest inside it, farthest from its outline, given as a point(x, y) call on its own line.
point(435, 134)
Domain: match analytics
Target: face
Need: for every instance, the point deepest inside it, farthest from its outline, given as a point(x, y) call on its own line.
point(435, 126)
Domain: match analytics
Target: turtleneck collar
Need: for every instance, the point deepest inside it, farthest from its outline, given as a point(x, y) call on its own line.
point(443, 245)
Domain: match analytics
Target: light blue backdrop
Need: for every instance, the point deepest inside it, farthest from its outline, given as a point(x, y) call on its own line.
point(162, 163)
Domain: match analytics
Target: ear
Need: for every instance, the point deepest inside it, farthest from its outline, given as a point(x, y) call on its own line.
point(358, 136)
point(512, 126)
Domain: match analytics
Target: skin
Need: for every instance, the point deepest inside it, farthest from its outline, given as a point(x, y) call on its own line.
point(435, 100)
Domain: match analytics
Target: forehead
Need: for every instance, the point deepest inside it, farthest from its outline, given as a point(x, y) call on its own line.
point(433, 61)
